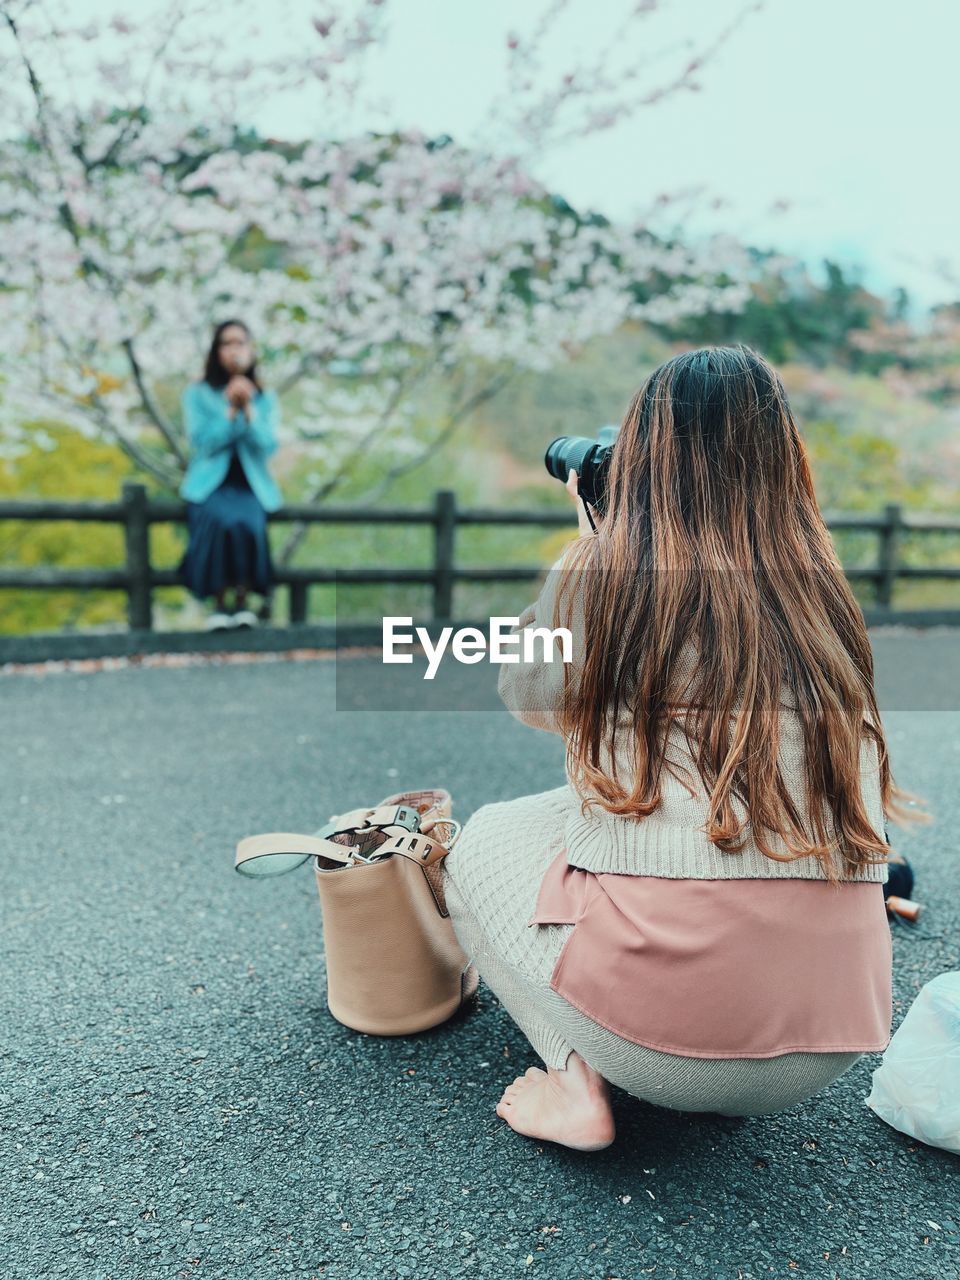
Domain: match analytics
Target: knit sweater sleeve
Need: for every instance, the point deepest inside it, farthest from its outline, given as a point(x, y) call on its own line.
point(532, 686)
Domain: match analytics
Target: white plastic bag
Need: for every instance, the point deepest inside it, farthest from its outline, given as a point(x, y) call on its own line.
point(916, 1087)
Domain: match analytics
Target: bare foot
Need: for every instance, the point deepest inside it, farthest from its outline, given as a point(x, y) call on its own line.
point(571, 1107)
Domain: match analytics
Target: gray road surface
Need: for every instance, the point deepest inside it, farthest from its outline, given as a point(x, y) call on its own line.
point(178, 1102)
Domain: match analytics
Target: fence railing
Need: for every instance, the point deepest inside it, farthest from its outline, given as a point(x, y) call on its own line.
point(138, 578)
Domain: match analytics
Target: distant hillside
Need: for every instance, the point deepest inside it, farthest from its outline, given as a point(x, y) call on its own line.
point(869, 443)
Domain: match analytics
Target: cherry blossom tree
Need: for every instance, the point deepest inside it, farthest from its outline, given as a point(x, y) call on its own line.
point(139, 203)
point(917, 363)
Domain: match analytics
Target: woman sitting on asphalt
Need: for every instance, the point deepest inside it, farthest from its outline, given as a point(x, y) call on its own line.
point(231, 424)
point(697, 915)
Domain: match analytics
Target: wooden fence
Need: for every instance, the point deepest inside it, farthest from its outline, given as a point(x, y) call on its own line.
point(138, 578)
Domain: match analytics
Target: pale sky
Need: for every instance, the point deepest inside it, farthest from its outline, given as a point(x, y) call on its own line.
point(845, 108)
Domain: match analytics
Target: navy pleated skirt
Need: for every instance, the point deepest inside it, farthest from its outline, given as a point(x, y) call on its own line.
point(228, 545)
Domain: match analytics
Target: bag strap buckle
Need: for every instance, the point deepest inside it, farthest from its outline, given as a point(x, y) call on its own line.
point(394, 815)
point(423, 849)
point(384, 815)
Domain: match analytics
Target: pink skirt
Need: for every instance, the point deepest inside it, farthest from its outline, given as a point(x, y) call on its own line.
point(723, 968)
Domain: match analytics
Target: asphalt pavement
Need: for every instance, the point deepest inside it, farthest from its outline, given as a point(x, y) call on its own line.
point(178, 1102)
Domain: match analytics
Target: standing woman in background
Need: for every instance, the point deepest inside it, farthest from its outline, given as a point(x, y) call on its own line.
point(231, 425)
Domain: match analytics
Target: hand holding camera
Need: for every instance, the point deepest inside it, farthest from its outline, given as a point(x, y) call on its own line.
point(582, 465)
point(587, 519)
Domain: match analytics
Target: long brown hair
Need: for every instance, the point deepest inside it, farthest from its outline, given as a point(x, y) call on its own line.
point(713, 536)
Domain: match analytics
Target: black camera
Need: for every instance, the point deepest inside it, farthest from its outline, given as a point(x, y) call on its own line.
point(589, 458)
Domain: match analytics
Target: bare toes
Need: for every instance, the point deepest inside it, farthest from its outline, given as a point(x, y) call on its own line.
point(541, 1105)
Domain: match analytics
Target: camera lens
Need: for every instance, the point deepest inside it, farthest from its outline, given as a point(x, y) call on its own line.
point(566, 454)
point(589, 458)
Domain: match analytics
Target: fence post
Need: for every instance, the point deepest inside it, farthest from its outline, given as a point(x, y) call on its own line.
point(136, 536)
point(298, 601)
point(887, 553)
point(444, 532)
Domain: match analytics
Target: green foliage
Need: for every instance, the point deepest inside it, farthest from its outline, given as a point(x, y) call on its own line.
point(789, 317)
point(853, 470)
point(856, 471)
point(867, 448)
point(576, 398)
point(470, 468)
point(63, 465)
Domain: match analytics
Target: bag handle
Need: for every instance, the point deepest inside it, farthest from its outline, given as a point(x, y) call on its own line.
point(281, 851)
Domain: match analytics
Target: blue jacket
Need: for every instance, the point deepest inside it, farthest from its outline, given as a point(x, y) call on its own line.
point(212, 434)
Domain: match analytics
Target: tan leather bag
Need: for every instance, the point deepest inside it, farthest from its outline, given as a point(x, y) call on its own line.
point(394, 965)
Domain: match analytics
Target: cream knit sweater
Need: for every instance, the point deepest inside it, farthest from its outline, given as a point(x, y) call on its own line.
point(670, 842)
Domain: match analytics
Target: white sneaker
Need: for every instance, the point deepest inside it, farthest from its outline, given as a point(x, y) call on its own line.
point(245, 618)
point(217, 621)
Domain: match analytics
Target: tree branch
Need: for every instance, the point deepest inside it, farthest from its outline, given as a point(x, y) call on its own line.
point(324, 490)
point(302, 369)
point(133, 451)
point(103, 416)
point(151, 408)
point(89, 268)
point(455, 419)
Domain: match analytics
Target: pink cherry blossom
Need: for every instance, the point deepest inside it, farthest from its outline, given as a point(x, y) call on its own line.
point(361, 260)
